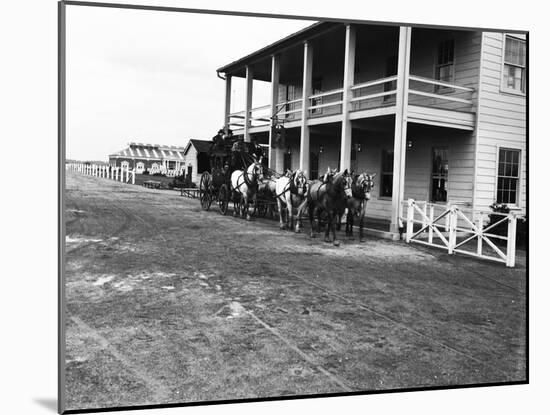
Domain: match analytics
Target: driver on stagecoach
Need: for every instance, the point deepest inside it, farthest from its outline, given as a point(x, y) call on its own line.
point(217, 140)
point(255, 149)
point(228, 138)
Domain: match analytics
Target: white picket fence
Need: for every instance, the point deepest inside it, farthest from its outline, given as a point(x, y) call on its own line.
point(459, 229)
point(124, 175)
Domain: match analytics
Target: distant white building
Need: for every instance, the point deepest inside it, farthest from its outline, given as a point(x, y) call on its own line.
point(196, 158)
point(154, 158)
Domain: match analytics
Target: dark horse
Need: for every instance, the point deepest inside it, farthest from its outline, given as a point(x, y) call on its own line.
point(329, 195)
point(361, 187)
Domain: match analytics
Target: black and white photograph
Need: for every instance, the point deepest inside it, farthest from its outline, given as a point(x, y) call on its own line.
point(321, 208)
point(244, 207)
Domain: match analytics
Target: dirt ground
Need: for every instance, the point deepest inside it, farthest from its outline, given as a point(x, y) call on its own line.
point(170, 304)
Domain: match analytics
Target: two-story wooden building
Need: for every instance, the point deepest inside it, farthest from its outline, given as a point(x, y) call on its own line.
point(438, 114)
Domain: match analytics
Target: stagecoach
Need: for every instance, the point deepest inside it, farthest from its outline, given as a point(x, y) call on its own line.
point(215, 183)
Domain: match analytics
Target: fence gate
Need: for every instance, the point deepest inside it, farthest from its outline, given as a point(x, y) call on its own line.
point(454, 231)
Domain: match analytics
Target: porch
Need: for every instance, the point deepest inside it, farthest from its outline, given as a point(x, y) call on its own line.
point(336, 80)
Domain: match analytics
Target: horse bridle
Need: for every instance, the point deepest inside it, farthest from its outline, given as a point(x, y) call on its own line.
point(366, 183)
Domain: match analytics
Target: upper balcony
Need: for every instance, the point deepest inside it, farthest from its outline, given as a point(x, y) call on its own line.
point(441, 81)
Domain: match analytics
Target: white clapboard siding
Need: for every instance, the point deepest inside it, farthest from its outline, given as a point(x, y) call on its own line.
point(501, 123)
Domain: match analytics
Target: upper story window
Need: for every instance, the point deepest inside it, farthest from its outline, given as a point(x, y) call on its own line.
point(513, 72)
point(290, 95)
point(445, 67)
point(508, 176)
point(317, 86)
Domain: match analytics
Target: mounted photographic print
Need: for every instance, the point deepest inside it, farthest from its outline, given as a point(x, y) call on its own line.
point(257, 207)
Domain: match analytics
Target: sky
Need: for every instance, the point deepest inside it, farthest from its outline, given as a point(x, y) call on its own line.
point(149, 76)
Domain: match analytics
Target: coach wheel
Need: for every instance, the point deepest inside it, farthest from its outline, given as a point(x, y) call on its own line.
point(204, 189)
point(223, 199)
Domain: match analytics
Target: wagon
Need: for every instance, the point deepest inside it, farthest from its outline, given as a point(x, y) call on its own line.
point(215, 184)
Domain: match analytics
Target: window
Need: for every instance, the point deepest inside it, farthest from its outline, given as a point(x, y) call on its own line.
point(287, 161)
point(316, 87)
point(353, 157)
point(125, 165)
point(290, 96)
point(508, 176)
point(171, 165)
point(313, 166)
point(444, 69)
point(386, 180)
point(391, 70)
point(440, 174)
point(513, 73)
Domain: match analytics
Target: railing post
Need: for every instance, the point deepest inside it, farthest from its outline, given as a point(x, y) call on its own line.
point(431, 224)
point(134, 176)
point(410, 220)
point(480, 234)
point(511, 245)
point(448, 218)
point(425, 212)
point(452, 228)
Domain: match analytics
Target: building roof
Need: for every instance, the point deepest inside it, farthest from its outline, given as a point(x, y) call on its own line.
point(291, 40)
point(202, 146)
point(151, 152)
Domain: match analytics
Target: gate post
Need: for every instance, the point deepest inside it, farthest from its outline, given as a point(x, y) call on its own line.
point(430, 228)
point(134, 176)
point(410, 219)
point(452, 228)
point(511, 243)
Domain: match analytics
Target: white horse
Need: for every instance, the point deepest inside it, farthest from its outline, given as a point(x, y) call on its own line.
point(245, 185)
point(290, 190)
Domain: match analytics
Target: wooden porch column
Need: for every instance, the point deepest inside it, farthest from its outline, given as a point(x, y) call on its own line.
point(227, 108)
point(400, 130)
point(275, 154)
point(306, 92)
point(248, 104)
point(349, 69)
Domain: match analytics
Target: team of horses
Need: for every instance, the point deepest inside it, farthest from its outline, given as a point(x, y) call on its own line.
point(326, 199)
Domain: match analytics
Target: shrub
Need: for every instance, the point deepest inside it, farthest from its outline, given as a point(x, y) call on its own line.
point(502, 228)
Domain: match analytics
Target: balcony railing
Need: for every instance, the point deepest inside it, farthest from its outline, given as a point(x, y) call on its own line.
point(372, 94)
point(437, 94)
point(325, 103)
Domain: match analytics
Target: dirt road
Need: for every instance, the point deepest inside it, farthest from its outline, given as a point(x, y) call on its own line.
point(167, 303)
